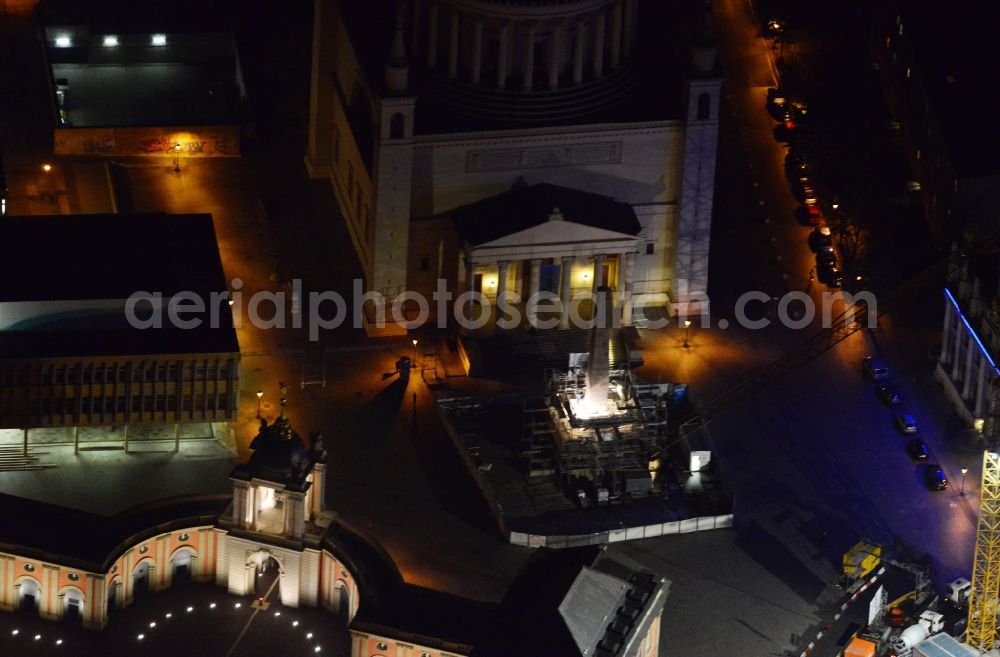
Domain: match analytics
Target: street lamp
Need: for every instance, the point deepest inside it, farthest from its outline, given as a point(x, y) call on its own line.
point(177, 157)
point(414, 351)
point(687, 333)
point(964, 470)
point(260, 393)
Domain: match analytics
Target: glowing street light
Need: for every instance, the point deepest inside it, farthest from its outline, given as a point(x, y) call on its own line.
point(964, 471)
point(687, 333)
point(46, 167)
point(177, 157)
point(414, 351)
point(260, 394)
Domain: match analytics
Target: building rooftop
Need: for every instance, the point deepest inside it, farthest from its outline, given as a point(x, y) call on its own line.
point(959, 78)
point(77, 307)
point(108, 256)
point(525, 207)
point(568, 601)
point(90, 540)
point(186, 75)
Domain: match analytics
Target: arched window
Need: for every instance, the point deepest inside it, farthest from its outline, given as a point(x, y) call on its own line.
point(704, 106)
point(397, 125)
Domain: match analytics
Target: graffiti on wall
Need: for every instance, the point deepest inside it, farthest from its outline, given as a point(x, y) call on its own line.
point(97, 146)
point(214, 141)
point(159, 145)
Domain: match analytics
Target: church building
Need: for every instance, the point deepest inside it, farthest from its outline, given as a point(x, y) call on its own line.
point(452, 131)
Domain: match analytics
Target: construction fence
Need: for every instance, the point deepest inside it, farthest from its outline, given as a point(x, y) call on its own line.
point(685, 526)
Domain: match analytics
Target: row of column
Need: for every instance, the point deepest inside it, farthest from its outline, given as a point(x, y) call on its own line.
point(615, 44)
point(625, 284)
point(953, 339)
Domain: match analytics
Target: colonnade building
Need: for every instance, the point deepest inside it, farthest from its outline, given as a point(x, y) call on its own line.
point(424, 108)
point(970, 339)
point(74, 369)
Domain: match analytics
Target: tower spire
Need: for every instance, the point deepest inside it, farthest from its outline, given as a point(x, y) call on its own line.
point(703, 51)
point(397, 65)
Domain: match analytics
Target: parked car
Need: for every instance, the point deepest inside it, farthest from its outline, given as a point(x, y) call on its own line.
point(917, 449)
point(875, 369)
point(809, 215)
point(889, 395)
point(934, 477)
point(830, 275)
point(826, 258)
point(776, 97)
point(799, 109)
point(788, 120)
point(906, 423)
point(820, 238)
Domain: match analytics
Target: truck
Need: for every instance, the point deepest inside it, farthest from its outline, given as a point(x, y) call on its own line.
point(860, 561)
point(958, 592)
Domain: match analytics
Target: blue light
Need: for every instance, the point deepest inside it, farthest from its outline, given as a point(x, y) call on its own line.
point(971, 331)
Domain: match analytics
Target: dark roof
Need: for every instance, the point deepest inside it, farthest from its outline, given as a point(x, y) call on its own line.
point(279, 455)
point(562, 598)
point(148, 16)
point(108, 256)
point(593, 597)
point(126, 342)
point(531, 607)
point(90, 541)
point(369, 25)
point(524, 207)
point(958, 73)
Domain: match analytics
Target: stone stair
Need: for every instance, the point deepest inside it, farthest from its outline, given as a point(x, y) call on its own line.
point(14, 458)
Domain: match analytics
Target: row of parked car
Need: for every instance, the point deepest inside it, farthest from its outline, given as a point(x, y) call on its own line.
point(793, 115)
point(876, 370)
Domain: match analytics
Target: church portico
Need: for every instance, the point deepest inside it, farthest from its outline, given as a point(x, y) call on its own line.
point(569, 275)
point(548, 245)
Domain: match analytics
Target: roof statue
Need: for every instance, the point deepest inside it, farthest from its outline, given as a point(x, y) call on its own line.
point(279, 453)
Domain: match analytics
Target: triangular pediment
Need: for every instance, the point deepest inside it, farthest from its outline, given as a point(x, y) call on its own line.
point(559, 231)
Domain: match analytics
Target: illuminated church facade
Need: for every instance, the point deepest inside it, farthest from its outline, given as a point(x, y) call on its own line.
point(423, 110)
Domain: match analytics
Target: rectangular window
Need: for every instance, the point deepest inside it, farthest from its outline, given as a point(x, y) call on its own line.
point(650, 248)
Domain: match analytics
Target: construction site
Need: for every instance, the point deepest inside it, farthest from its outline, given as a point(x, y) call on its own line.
point(905, 615)
point(596, 449)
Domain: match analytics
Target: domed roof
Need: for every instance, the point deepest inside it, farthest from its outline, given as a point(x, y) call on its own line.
point(279, 454)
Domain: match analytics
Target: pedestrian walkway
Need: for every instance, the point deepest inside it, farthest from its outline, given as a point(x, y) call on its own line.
point(109, 482)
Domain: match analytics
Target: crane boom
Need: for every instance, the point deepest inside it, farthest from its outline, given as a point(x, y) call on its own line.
point(982, 624)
